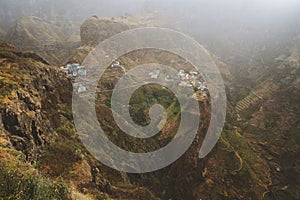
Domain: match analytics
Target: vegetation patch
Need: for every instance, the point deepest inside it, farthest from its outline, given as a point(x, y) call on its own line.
point(22, 182)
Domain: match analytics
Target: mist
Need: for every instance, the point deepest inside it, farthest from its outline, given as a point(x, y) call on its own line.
point(231, 27)
point(240, 28)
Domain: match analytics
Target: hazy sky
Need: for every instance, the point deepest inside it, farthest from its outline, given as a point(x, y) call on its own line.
point(235, 10)
point(119, 7)
point(214, 22)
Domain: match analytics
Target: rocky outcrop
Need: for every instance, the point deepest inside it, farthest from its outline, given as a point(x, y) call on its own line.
point(43, 38)
point(28, 99)
point(94, 30)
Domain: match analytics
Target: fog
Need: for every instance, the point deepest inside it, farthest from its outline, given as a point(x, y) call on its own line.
point(226, 26)
point(230, 11)
point(237, 27)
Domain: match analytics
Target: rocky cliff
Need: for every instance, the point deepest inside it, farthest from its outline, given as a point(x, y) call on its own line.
point(38, 140)
point(29, 98)
point(27, 121)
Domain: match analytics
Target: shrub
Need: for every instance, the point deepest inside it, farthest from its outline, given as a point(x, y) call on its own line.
point(15, 184)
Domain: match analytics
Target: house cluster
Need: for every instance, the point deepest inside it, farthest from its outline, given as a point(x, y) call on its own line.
point(154, 74)
point(80, 87)
point(191, 79)
point(115, 63)
point(75, 70)
point(183, 79)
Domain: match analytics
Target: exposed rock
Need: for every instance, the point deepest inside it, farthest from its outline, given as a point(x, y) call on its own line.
point(94, 30)
point(23, 112)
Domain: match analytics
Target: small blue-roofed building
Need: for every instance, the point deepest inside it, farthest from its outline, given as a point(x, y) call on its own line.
point(154, 74)
point(82, 71)
point(81, 88)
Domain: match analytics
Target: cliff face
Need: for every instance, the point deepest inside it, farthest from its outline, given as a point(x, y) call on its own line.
point(50, 41)
point(29, 99)
point(28, 119)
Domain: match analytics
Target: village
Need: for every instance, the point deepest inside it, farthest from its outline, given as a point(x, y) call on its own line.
point(184, 79)
point(192, 79)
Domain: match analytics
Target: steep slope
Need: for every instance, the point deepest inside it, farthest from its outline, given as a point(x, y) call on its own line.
point(35, 94)
point(232, 171)
point(50, 41)
point(271, 124)
point(38, 140)
point(94, 30)
point(27, 108)
point(36, 123)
